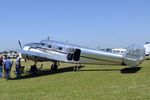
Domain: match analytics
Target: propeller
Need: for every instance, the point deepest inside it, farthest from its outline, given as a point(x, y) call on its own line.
point(20, 44)
point(21, 48)
point(48, 38)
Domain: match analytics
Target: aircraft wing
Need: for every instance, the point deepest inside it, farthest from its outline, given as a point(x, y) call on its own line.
point(43, 56)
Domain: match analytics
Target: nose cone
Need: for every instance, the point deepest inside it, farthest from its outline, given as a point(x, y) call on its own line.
point(26, 48)
point(134, 55)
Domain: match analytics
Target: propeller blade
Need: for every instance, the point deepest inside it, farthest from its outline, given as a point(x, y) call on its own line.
point(48, 38)
point(20, 44)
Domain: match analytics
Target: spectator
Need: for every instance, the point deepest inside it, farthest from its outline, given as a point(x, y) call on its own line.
point(18, 65)
point(1, 66)
point(8, 65)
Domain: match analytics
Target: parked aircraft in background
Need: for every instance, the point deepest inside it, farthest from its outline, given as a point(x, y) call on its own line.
point(12, 54)
point(113, 50)
point(54, 51)
point(122, 50)
point(147, 50)
point(119, 50)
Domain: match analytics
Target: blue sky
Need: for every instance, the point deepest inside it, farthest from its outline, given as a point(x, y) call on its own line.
point(91, 23)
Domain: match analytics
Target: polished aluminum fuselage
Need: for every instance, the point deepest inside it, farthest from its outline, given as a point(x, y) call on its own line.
point(87, 55)
point(99, 57)
point(48, 50)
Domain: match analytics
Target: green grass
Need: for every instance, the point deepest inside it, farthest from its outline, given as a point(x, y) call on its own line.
point(92, 82)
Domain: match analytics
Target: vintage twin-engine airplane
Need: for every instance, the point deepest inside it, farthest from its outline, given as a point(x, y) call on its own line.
point(50, 50)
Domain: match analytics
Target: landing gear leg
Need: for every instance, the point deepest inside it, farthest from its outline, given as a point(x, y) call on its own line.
point(76, 67)
point(54, 66)
point(33, 69)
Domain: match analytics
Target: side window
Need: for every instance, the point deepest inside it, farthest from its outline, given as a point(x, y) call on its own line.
point(60, 48)
point(42, 44)
point(49, 46)
point(70, 50)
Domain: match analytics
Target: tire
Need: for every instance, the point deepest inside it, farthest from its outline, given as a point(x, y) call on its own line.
point(54, 67)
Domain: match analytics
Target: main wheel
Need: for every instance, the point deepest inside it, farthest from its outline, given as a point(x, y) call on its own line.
point(54, 67)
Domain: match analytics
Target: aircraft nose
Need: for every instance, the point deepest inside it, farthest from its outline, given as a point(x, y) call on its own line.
point(26, 48)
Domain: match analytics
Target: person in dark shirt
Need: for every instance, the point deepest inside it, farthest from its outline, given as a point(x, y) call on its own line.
point(18, 65)
point(1, 66)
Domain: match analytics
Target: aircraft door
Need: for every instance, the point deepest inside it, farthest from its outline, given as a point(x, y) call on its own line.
point(73, 54)
point(76, 56)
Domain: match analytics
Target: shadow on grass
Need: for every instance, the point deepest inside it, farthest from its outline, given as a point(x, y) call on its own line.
point(130, 70)
point(100, 70)
point(123, 71)
point(46, 72)
point(71, 68)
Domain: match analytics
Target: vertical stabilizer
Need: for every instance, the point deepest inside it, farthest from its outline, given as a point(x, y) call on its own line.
point(134, 55)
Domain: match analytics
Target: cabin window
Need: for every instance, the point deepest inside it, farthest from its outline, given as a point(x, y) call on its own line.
point(42, 44)
point(60, 48)
point(49, 46)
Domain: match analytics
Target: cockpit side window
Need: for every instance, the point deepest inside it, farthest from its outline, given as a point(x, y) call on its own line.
point(42, 44)
point(60, 48)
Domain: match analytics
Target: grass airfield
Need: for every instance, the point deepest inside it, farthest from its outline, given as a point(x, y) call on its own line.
point(92, 82)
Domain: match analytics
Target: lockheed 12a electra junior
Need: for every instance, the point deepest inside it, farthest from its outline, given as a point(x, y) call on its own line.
point(54, 51)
